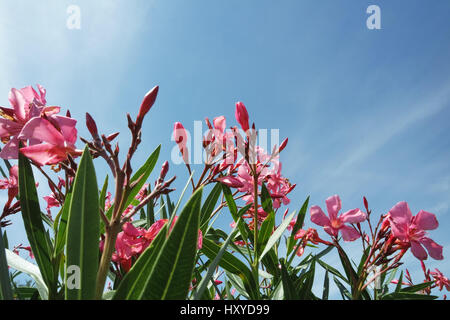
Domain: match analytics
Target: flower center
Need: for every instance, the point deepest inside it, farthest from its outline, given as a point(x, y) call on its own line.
point(415, 234)
point(336, 224)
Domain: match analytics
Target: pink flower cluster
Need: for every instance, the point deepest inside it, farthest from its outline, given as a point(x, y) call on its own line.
point(222, 148)
point(12, 185)
point(132, 241)
point(406, 230)
point(48, 138)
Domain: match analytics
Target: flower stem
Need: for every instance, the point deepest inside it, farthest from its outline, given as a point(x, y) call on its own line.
point(110, 242)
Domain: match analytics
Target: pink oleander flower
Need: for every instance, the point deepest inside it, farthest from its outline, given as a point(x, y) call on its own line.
point(27, 104)
point(12, 184)
point(333, 224)
point(411, 230)
point(309, 235)
point(58, 139)
point(218, 140)
point(20, 247)
point(241, 115)
point(51, 202)
point(180, 137)
point(440, 280)
point(130, 243)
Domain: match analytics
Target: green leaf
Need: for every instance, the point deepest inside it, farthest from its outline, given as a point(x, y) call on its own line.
point(139, 178)
point(83, 232)
point(5, 285)
point(242, 226)
point(150, 210)
point(142, 175)
point(20, 264)
point(207, 277)
point(332, 270)
point(298, 225)
point(344, 292)
point(417, 287)
point(399, 283)
point(61, 233)
point(237, 282)
point(290, 293)
point(31, 214)
point(266, 199)
point(363, 260)
point(163, 208)
point(210, 203)
point(408, 296)
point(266, 230)
point(172, 271)
point(276, 235)
point(305, 291)
point(233, 265)
point(326, 286)
point(230, 201)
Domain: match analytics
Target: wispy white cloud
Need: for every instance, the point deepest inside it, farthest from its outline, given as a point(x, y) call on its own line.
point(378, 136)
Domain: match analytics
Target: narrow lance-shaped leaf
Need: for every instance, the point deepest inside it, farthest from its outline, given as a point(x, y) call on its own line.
point(326, 286)
point(62, 226)
point(5, 285)
point(207, 277)
point(276, 235)
point(34, 227)
point(233, 265)
point(210, 203)
point(83, 233)
point(169, 275)
point(172, 272)
point(298, 225)
point(20, 264)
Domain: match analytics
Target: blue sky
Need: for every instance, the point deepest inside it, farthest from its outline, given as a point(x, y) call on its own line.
point(366, 111)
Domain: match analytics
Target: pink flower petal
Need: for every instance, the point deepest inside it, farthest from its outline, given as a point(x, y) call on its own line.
point(418, 251)
point(11, 149)
point(353, 216)
point(400, 218)
point(130, 230)
point(68, 130)
point(333, 206)
point(220, 123)
point(39, 128)
point(44, 153)
point(348, 233)
point(19, 103)
point(9, 128)
point(319, 217)
point(434, 249)
point(425, 220)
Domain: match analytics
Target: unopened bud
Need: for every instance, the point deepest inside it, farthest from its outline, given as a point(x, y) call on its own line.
point(91, 125)
point(164, 170)
point(147, 103)
point(283, 145)
point(231, 182)
point(111, 137)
